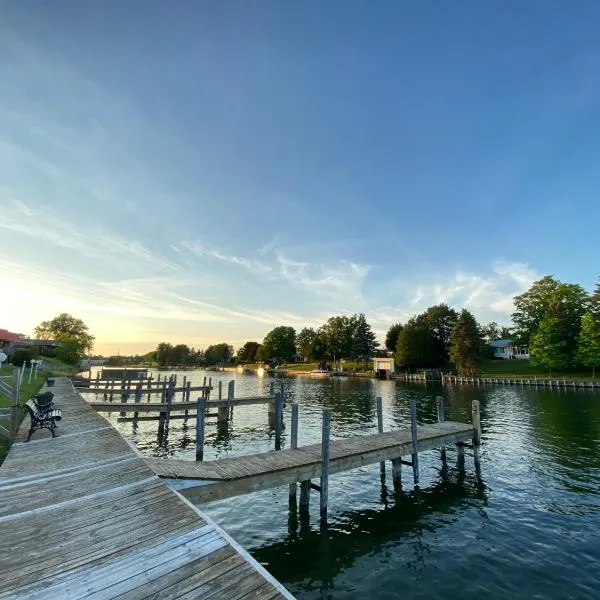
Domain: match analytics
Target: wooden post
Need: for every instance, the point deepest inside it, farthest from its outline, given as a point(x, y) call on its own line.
point(183, 388)
point(169, 399)
point(149, 386)
point(223, 411)
point(293, 444)
point(476, 435)
point(304, 496)
point(441, 416)
point(14, 405)
point(415, 449)
point(220, 390)
point(325, 460)
point(278, 419)
point(397, 473)
point(200, 418)
point(380, 430)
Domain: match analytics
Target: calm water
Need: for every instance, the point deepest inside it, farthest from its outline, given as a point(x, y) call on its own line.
point(530, 528)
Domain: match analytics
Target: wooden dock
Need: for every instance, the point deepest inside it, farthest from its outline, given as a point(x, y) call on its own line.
point(243, 474)
point(83, 516)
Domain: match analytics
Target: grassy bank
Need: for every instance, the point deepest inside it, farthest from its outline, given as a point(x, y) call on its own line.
point(523, 369)
point(28, 389)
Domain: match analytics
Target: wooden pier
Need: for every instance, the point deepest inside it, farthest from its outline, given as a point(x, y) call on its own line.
point(250, 473)
point(562, 383)
point(83, 516)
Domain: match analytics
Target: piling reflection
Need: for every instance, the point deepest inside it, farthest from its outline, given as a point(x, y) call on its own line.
point(325, 548)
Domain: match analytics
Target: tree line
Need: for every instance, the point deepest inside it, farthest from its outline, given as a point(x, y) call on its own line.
point(559, 322)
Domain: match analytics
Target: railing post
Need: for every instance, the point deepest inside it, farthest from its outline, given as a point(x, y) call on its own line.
point(415, 447)
point(200, 418)
point(14, 405)
point(380, 430)
point(293, 445)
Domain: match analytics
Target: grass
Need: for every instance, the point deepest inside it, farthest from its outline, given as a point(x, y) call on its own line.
point(27, 391)
point(523, 369)
point(58, 368)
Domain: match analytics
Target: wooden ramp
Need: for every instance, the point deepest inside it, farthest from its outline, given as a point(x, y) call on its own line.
point(228, 477)
point(82, 516)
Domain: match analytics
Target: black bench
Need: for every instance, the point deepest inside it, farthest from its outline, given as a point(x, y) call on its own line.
point(42, 413)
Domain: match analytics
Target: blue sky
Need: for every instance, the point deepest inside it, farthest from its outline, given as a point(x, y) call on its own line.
point(204, 171)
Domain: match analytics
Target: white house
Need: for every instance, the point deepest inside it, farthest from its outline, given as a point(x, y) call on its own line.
point(506, 349)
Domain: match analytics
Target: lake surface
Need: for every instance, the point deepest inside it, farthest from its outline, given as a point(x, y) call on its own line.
point(529, 528)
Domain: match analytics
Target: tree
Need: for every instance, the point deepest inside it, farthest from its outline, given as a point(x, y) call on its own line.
point(491, 332)
point(218, 354)
point(588, 351)
point(304, 341)
point(72, 336)
point(547, 347)
point(338, 333)
point(595, 301)
point(280, 344)
point(391, 337)
point(163, 354)
point(415, 346)
point(440, 320)
point(567, 301)
point(467, 347)
point(247, 353)
point(364, 341)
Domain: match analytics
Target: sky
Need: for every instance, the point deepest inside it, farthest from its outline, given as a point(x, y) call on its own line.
point(202, 171)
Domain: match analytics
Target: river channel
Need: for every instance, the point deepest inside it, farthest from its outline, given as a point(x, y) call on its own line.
point(529, 528)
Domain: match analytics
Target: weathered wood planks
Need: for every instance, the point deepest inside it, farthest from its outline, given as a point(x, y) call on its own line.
point(83, 516)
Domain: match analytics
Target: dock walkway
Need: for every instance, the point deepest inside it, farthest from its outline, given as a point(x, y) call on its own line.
point(228, 477)
point(83, 516)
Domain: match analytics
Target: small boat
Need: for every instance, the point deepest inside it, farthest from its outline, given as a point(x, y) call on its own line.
point(319, 373)
point(277, 371)
point(339, 373)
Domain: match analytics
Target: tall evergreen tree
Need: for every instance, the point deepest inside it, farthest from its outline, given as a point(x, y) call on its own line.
point(595, 303)
point(547, 347)
point(588, 351)
point(467, 347)
point(364, 341)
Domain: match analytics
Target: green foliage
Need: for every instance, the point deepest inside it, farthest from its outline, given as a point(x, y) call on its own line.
point(565, 301)
point(339, 333)
point(364, 342)
point(279, 344)
point(547, 348)
point(391, 337)
point(425, 339)
point(71, 335)
point(304, 341)
point(247, 353)
point(467, 347)
point(588, 351)
point(21, 356)
point(491, 332)
point(218, 354)
point(595, 301)
point(415, 345)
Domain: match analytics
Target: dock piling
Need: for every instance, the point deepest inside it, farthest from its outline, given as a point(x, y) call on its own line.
point(380, 430)
point(278, 419)
point(293, 444)
point(476, 435)
point(413, 431)
point(200, 419)
point(441, 416)
point(325, 435)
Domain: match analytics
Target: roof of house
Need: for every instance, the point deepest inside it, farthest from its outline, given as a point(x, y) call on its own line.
point(9, 336)
point(501, 343)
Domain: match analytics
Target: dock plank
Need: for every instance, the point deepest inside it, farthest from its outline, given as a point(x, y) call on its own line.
point(83, 516)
